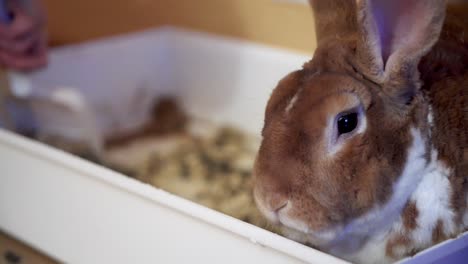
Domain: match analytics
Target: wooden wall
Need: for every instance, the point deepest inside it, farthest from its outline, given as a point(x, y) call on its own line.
point(271, 22)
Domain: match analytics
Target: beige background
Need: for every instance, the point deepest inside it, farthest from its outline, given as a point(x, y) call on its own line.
point(272, 22)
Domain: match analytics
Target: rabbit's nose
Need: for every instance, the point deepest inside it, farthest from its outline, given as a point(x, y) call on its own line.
point(270, 204)
point(276, 201)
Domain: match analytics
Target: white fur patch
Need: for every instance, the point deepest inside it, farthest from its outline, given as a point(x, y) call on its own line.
point(432, 198)
point(430, 120)
point(292, 102)
point(430, 117)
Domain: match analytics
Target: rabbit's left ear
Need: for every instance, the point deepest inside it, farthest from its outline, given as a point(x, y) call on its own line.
point(393, 37)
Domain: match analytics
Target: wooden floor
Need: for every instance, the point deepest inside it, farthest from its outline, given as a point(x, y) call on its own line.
point(14, 252)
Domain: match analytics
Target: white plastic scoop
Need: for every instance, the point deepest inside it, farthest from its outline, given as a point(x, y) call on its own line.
point(61, 100)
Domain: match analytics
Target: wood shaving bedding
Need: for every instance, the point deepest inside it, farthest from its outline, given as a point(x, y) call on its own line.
point(195, 159)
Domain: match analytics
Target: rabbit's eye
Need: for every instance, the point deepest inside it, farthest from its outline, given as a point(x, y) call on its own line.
point(347, 123)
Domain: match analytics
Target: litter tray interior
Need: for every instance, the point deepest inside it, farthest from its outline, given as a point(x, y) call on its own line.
point(177, 110)
point(206, 162)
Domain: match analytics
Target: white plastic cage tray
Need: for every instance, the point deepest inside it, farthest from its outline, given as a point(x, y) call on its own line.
point(79, 212)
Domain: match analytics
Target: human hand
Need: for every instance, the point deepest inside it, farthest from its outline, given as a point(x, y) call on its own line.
point(23, 41)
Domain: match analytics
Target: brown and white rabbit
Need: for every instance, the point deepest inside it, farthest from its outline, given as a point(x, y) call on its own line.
point(364, 152)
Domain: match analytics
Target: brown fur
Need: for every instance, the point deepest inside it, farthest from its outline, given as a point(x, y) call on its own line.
point(410, 216)
point(438, 234)
point(400, 241)
point(292, 163)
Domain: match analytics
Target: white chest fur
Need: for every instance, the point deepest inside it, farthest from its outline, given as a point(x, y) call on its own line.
point(431, 196)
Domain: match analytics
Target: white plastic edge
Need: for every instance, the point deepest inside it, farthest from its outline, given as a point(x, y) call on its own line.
point(252, 233)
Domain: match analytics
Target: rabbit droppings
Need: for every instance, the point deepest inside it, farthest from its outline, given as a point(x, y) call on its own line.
point(364, 150)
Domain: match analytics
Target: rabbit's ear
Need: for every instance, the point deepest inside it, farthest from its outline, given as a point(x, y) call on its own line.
point(393, 37)
point(333, 17)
